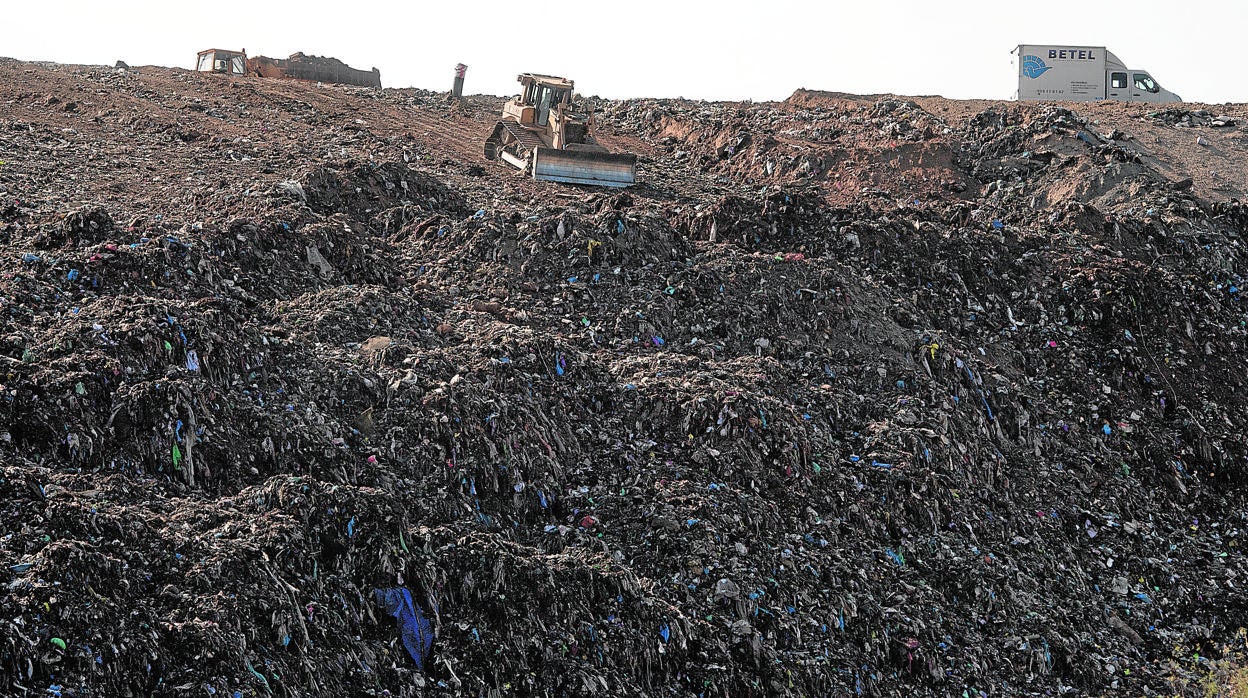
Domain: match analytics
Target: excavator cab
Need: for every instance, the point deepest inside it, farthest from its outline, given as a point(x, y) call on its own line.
point(541, 133)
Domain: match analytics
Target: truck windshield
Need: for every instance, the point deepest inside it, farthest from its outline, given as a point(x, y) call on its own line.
point(1146, 83)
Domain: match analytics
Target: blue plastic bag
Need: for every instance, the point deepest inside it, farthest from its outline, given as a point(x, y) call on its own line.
point(415, 629)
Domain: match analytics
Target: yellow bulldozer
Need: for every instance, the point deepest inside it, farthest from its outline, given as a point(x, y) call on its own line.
point(542, 134)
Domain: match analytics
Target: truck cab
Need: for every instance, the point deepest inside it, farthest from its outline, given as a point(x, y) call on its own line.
point(1135, 86)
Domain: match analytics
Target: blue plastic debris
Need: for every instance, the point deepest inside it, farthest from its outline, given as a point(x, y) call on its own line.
point(415, 629)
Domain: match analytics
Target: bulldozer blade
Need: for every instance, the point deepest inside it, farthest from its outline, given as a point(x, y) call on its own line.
point(585, 167)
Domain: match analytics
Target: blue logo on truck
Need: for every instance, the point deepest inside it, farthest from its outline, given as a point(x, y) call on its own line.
point(1033, 67)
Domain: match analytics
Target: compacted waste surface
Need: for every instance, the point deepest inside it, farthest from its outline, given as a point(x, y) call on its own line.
point(848, 396)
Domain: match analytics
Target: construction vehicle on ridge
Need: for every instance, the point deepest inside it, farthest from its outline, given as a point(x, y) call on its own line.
point(1083, 74)
point(299, 66)
point(541, 133)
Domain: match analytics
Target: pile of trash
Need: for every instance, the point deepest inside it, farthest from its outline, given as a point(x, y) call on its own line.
point(1189, 118)
point(377, 423)
point(805, 139)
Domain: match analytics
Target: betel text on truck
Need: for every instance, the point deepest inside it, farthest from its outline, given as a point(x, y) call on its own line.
point(1083, 74)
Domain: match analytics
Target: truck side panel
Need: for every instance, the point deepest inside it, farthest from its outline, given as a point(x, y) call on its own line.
point(1072, 73)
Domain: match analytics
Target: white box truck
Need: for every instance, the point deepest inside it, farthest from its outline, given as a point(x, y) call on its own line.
point(1083, 74)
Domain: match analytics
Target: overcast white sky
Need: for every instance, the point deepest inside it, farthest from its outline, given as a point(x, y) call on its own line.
point(646, 48)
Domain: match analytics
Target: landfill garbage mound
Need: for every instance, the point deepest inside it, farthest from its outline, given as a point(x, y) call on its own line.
point(848, 396)
point(320, 68)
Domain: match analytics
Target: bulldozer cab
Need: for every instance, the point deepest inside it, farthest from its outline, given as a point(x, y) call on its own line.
point(546, 96)
point(540, 95)
point(215, 60)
